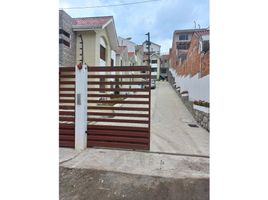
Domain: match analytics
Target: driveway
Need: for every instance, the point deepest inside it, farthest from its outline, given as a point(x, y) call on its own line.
point(170, 131)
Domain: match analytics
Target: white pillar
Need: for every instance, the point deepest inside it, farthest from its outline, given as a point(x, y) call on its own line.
point(80, 107)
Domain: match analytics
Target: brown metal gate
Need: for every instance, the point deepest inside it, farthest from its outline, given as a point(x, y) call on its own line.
point(119, 107)
point(67, 107)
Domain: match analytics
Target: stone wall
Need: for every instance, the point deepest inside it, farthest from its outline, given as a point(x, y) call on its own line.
point(202, 118)
point(67, 54)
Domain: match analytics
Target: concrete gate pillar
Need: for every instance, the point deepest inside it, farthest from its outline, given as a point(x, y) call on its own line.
point(81, 107)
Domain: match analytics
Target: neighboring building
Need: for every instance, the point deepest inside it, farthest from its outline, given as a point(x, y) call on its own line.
point(154, 48)
point(122, 56)
point(67, 42)
point(154, 58)
point(99, 40)
point(164, 66)
point(139, 53)
point(126, 42)
point(134, 51)
point(189, 60)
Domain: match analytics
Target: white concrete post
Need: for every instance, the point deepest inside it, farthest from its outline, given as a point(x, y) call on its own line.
point(80, 107)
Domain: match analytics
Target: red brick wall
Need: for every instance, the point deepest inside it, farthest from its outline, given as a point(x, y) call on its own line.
point(205, 64)
point(190, 66)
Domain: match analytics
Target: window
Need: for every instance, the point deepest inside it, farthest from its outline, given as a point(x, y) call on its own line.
point(64, 33)
point(112, 62)
point(183, 45)
point(205, 45)
point(183, 37)
point(153, 69)
point(163, 70)
point(182, 56)
point(154, 61)
point(102, 52)
point(66, 43)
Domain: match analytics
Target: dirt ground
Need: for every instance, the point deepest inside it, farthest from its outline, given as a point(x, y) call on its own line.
point(88, 184)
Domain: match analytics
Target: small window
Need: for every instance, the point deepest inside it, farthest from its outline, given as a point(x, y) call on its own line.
point(183, 45)
point(154, 61)
point(163, 70)
point(205, 45)
point(64, 33)
point(66, 43)
point(102, 52)
point(183, 37)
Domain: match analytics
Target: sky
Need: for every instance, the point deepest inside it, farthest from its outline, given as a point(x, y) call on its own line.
point(160, 18)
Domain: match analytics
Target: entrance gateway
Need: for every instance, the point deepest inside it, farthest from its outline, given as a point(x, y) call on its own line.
point(118, 107)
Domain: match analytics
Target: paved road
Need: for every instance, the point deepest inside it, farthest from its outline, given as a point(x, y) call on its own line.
point(169, 129)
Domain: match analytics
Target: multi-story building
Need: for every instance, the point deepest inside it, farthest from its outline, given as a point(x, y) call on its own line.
point(154, 58)
point(189, 60)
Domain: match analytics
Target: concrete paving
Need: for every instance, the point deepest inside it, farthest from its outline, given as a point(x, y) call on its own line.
point(169, 125)
point(141, 163)
point(66, 154)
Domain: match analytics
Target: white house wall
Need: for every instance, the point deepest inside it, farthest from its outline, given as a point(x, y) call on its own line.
point(198, 88)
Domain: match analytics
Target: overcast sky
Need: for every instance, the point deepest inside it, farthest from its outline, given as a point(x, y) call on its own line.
point(160, 18)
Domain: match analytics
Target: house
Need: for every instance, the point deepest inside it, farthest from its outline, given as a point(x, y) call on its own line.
point(90, 40)
point(122, 56)
point(164, 66)
point(154, 58)
point(189, 60)
point(134, 51)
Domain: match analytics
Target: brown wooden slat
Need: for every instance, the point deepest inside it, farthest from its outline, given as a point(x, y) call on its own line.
point(119, 76)
point(66, 138)
point(117, 145)
point(118, 114)
point(117, 139)
point(67, 89)
point(120, 89)
point(67, 82)
point(116, 108)
point(118, 120)
point(116, 69)
point(67, 100)
point(116, 102)
point(120, 128)
point(66, 69)
point(125, 133)
point(118, 83)
point(69, 144)
point(66, 126)
point(65, 107)
point(67, 119)
point(72, 113)
point(118, 96)
point(66, 131)
point(67, 76)
point(67, 95)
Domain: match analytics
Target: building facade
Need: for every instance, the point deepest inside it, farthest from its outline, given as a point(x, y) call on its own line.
point(164, 66)
point(154, 58)
point(189, 61)
point(89, 40)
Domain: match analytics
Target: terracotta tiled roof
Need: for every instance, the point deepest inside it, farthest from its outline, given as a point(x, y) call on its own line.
point(130, 54)
point(92, 21)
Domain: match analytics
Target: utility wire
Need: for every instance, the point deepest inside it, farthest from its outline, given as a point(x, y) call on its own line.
point(111, 5)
